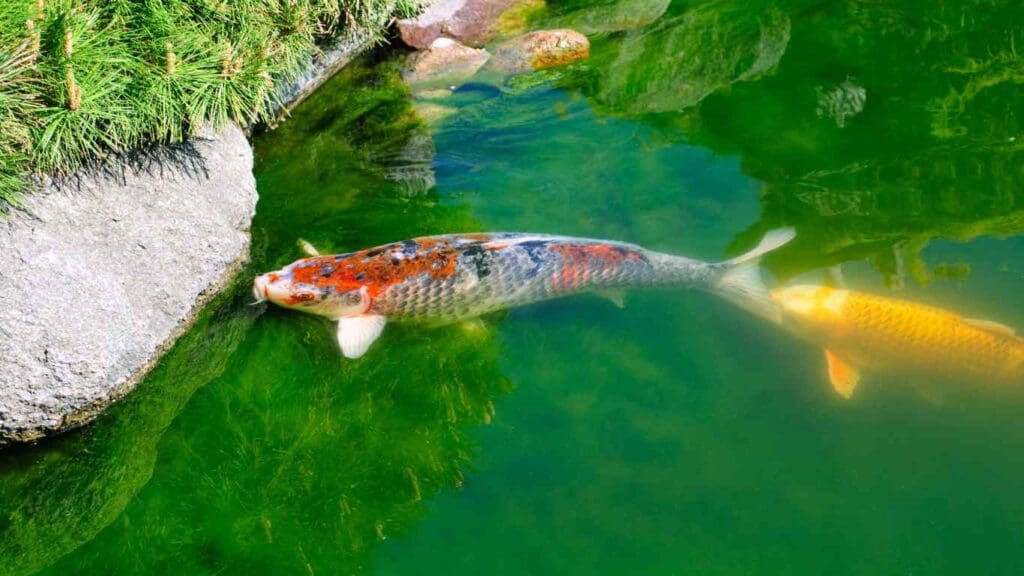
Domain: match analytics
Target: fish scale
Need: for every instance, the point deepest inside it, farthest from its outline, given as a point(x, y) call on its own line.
point(510, 270)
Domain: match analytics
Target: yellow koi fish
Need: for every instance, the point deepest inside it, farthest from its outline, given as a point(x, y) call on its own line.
point(867, 332)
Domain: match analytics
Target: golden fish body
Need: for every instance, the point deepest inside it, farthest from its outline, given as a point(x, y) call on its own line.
point(879, 334)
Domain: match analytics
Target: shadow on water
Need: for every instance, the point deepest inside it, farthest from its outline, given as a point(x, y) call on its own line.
point(314, 459)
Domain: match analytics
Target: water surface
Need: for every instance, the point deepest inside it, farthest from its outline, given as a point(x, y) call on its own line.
point(676, 436)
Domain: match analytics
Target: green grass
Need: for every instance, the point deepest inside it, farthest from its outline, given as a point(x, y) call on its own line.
point(80, 79)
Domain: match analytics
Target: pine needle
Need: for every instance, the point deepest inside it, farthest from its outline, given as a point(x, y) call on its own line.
point(81, 79)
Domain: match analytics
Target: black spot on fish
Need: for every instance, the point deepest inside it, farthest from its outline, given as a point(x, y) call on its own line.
point(480, 259)
point(409, 247)
point(534, 250)
point(534, 244)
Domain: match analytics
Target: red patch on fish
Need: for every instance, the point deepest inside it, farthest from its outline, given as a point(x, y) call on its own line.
point(580, 261)
point(380, 268)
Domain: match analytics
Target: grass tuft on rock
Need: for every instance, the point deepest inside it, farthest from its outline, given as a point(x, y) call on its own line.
point(80, 79)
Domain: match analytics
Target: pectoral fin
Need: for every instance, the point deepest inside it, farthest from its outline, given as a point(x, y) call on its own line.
point(843, 376)
point(357, 333)
point(990, 326)
point(617, 297)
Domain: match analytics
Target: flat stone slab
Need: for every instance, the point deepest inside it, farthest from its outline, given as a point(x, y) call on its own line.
point(103, 272)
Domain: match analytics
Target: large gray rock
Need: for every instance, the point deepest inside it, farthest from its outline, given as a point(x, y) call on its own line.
point(102, 273)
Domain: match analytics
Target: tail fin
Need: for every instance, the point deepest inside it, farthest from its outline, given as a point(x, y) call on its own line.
point(741, 283)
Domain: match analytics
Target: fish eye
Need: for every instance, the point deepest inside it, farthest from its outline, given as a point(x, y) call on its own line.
point(304, 296)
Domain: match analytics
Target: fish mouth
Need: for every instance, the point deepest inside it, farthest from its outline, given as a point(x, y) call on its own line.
point(259, 293)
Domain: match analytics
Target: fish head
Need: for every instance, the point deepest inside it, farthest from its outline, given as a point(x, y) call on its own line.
point(811, 307)
point(312, 285)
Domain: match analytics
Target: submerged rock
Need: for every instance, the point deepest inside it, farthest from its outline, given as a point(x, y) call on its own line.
point(445, 64)
point(471, 22)
point(540, 49)
point(102, 274)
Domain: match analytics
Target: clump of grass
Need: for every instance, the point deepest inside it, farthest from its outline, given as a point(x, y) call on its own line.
point(18, 108)
point(80, 79)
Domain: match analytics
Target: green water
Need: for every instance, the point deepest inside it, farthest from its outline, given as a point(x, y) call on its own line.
point(675, 436)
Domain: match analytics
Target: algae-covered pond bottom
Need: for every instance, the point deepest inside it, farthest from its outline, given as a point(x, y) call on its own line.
point(678, 435)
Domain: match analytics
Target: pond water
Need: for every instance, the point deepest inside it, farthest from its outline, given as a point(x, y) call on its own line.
point(678, 435)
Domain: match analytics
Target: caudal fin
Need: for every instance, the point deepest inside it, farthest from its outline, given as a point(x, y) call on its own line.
point(741, 283)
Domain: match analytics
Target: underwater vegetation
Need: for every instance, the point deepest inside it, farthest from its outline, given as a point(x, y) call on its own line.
point(82, 79)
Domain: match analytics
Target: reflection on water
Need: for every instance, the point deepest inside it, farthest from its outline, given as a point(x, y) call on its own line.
point(871, 156)
point(675, 436)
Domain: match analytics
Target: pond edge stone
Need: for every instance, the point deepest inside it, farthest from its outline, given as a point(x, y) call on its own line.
point(103, 271)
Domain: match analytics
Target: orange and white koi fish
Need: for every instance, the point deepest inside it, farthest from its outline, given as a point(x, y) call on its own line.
point(453, 277)
point(866, 332)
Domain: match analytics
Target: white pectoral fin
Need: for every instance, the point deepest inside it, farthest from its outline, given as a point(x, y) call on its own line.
point(357, 333)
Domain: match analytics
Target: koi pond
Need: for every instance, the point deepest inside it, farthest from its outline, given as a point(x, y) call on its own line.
point(677, 435)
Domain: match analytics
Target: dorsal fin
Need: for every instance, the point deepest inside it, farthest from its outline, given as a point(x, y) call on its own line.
point(990, 326)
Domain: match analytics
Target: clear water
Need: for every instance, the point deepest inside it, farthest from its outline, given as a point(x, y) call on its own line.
point(675, 436)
